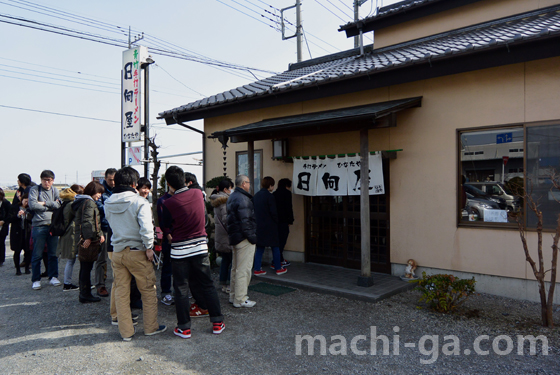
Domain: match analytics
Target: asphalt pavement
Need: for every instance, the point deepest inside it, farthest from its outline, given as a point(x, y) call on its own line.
point(48, 331)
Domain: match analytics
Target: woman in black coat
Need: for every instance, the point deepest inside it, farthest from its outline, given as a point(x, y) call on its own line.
point(266, 216)
point(20, 232)
point(4, 224)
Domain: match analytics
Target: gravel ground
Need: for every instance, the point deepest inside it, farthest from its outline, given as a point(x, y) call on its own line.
point(50, 332)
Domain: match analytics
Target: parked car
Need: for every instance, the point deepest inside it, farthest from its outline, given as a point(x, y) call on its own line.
point(499, 190)
point(476, 206)
point(477, 193)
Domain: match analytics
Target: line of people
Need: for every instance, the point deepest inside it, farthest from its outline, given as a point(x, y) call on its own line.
point(114, 220)
point(245, 226)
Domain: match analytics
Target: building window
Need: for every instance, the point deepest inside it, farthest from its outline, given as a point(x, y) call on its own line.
point(242, 166)
point(543, 165)
point(486, 165)
point(495, 171)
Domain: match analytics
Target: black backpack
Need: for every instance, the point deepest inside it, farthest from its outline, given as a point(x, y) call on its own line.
point(57, 227)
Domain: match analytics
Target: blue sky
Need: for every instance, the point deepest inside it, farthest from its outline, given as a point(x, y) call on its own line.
point(49, 72)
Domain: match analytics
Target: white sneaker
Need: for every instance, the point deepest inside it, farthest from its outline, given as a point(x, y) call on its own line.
point(36, 285)
point(54, 282)
point(247, 303)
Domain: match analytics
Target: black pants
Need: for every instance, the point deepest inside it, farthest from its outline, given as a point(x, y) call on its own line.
point(85, 278)
point(3, 235)
point(283, 232)
point(195, 271)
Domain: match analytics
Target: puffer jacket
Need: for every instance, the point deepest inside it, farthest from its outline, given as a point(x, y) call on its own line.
point(221, 240)
point(66, 248)
point(241, 222)
point(87, 221)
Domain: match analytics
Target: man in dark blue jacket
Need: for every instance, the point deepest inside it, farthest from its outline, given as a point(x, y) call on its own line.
point(101, 264)
point(242, 233)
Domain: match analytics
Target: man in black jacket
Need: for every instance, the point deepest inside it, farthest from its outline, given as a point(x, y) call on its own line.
point(242, 233)
point(283, 197)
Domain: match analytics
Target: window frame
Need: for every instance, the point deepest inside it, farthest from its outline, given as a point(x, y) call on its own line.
point(260, 167)
point(481, 224)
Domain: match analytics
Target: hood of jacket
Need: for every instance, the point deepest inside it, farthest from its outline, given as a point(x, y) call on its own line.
point(218, 199)
point(67, 194)
point(79, 201)
point(120, 202)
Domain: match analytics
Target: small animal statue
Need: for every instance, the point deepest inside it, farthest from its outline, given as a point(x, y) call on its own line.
point(410, 268)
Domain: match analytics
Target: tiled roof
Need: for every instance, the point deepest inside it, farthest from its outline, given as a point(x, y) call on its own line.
point(507, 31)
point(392, 9)
point(402, 6)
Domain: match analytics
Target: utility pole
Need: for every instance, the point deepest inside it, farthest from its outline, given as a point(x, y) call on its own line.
point(298, 29)
point(357, 4)
point(299, 33)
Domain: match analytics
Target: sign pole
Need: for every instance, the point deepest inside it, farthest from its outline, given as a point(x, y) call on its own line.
point(146, 120)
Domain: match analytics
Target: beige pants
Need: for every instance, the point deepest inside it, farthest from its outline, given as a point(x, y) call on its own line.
point(126, 264)
point(113, 307)
point(241, 267)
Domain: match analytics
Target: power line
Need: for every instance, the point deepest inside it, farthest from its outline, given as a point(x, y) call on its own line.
point(54, 68)
point(159, 66)
point(248, 15)
point(333, 13)
point(341, 11)
point(60, 75)
point(116, 83)
point(60, 114)
point(346, 5)
point(58, 84)
point(112, 41)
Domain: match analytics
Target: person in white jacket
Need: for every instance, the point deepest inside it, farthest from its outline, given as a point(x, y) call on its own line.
point(130, 218)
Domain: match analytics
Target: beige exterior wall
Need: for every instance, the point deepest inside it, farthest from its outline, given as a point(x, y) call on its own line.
point(423, 187)
point(482, 11)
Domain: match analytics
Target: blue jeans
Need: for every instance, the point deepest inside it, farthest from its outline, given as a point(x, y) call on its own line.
point(166, 269)
point(69, 269)
point(225, 268)
point(41, 236)
point(275, 257)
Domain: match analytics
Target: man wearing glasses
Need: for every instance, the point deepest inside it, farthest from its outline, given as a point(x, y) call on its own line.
point(43, 200)
point(242, 233)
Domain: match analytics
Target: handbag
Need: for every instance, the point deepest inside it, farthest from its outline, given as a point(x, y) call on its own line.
point(91, 253)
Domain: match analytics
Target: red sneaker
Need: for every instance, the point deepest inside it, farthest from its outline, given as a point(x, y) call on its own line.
point(197, 312)
point(259, 273)
point(218, 328)
point(183, 333)
point(281, 271)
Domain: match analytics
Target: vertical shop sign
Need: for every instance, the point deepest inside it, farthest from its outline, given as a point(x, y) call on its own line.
point(131, 95)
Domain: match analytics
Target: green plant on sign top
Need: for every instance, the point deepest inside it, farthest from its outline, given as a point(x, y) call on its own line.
point(444, 293)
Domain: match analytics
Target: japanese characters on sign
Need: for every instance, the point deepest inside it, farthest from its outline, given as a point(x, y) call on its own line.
point(332, 178)
point(336, 177)
point(131, 94)
point(376, 185)
point(305, 177)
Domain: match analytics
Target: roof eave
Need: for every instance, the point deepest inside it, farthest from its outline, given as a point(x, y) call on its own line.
point(498, 55)
point(395, 18)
